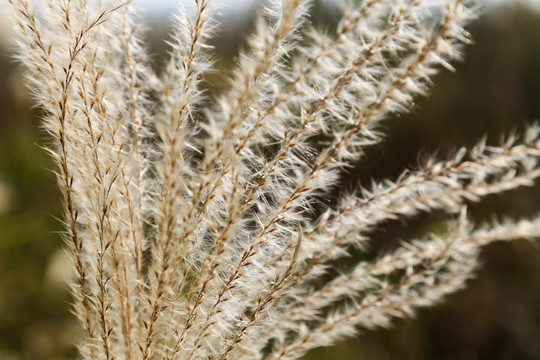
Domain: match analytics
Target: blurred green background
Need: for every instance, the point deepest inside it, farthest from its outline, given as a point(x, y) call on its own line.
point(496, 89)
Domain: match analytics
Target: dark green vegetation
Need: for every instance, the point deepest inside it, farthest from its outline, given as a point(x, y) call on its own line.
point(35, 322)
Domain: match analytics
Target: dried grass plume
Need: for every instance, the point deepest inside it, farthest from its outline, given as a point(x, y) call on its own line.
point(200, 227)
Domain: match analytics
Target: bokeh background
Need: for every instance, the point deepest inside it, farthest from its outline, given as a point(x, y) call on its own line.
point(496, 89)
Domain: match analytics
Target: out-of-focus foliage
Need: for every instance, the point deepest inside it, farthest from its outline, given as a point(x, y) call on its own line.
point(498, 317)
point(35, 322)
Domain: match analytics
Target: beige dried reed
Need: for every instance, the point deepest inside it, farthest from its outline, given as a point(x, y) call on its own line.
point(200, 227)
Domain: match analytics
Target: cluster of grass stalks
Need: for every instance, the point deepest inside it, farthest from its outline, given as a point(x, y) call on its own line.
point(204, 227)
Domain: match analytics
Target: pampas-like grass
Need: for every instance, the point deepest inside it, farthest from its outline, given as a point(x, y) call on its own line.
point(200, 227)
